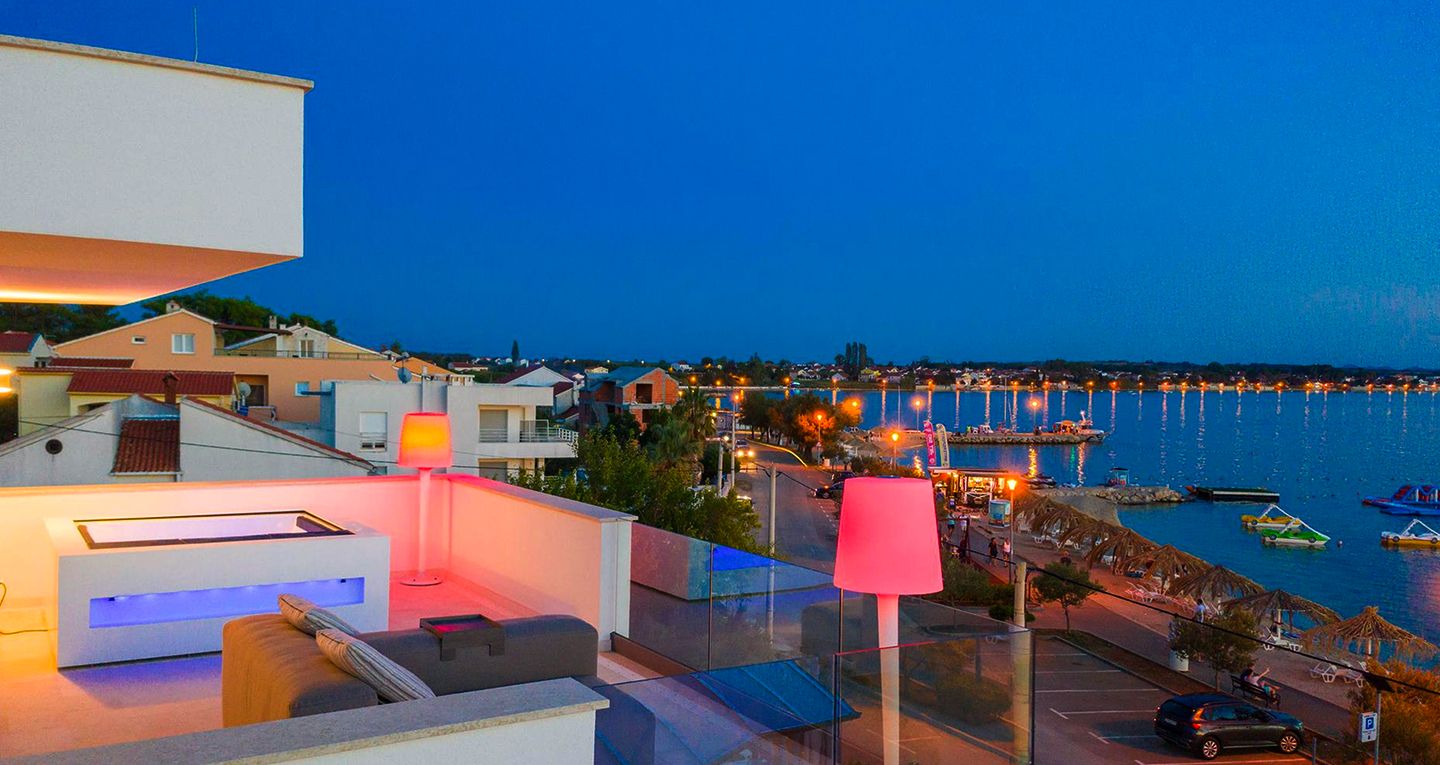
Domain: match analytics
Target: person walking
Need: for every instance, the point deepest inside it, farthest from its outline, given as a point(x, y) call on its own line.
point(994, 550)
point(1005, 548)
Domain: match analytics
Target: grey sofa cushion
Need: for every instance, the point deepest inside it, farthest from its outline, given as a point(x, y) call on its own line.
point(536, 648)
point(309, 618)
point(272, 671)
point(391, 681)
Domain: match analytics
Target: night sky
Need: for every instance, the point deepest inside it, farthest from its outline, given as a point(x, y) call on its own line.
point(1233, 182)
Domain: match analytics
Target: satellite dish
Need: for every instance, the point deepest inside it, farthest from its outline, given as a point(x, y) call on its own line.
point(244, 390)
point(403, 373)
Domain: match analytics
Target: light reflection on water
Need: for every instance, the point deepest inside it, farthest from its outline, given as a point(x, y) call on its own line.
point(1321, 451)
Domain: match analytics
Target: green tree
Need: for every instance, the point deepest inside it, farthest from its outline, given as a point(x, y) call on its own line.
point(1223, 642)
point(623, 427)
point(1410, 722)
point(58, 323)
point(242, 311)
point(623, 477)
point(514, 351)
point(1066, 585)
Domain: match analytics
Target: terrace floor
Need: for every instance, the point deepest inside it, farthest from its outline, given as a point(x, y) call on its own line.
point(45, 710)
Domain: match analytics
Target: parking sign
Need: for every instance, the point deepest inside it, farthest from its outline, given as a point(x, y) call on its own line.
point(1369, 726)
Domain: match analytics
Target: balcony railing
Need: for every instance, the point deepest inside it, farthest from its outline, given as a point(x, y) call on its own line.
point(531, 432)
point(269, 354)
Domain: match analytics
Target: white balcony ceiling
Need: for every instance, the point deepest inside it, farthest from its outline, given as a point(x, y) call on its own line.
point(128, 176)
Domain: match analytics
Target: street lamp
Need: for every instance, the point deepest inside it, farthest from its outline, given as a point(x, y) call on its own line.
point(916, 403)
point(1035, 412)
point(1010, 484)
point(894, 449)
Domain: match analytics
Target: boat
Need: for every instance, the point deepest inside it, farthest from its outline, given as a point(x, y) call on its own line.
point(1296, 533)
point(1271, 517)
point(1410, 537)
point(1409, 499)
point(1409, 493)
point(1234, 494)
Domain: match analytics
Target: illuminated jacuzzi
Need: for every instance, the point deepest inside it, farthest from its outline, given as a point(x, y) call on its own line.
point(139, 588)
point(103, 533)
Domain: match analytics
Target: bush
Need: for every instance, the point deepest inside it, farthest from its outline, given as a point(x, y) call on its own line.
point(966, 585)
point(1004, 612)
point(971, 699)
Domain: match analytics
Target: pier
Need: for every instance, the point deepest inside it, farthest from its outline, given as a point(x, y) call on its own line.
point(998, 438)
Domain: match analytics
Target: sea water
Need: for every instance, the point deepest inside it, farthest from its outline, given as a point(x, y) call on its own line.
point(1322, 452)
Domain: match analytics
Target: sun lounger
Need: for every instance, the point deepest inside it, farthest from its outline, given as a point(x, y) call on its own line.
point(1352, 676)
point(1325, 671)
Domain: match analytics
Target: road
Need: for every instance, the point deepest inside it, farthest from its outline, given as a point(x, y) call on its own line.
point(805, 527)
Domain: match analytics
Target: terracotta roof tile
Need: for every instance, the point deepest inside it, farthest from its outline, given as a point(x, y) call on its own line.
point(91, 361)
point(148, 446)
point(16, 342)
point(151, 381)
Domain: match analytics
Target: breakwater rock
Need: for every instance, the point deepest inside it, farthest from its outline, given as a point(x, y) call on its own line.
point(1120, 495)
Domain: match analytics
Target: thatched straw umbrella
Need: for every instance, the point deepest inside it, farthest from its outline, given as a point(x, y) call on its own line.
point(1048, 514)
point(1367, 633)
point(1166, 562)
point(1279, 606)
point(1123, 544)
point(1214, 584)
point(1086, 531)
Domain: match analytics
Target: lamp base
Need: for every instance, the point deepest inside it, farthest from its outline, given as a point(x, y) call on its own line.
point(421, 579)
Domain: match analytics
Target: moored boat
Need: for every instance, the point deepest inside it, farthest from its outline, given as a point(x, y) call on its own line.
point(1420, 497)
point(1390, 507)
point(1234, 494)
point(1271, 517)
point(1411, 537)
point(1296, 533)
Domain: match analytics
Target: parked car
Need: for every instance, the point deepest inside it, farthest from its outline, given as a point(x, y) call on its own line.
point(833, 489)
point(1208, 724)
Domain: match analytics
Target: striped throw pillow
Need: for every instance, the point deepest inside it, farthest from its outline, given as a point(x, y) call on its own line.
point(309, 618)
point(391, 681)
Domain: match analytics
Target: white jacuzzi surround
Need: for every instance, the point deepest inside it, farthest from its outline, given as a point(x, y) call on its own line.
point(169, 599)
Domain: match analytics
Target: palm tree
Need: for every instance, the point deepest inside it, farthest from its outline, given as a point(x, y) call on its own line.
point(698, 417)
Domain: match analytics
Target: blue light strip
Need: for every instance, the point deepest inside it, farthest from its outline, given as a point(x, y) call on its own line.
point(192, 605)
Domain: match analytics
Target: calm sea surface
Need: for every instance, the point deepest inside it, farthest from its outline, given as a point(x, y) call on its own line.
point(1321, 452)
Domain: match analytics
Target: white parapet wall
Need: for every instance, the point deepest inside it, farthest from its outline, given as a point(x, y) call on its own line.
point(546, 723)
point(552, 554)
point(126, 176)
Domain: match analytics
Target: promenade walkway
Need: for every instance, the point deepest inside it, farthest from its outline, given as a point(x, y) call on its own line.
point(1144, 630)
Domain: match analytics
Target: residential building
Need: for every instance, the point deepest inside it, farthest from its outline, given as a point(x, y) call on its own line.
point(23, 349)
point(144, 439)
point(564, 410)
point(496, 429)
point(637, 390)
point(49, 395)
point(129, 176)
point(279, 368)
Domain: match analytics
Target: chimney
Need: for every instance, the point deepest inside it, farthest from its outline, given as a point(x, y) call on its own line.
point(171, 306)
point(172, 384)
point(273, 322)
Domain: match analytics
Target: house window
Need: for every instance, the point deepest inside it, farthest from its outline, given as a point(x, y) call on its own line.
point(494, 426)
point(137, 339)
point(182, 343)
point(373, 429)
point(496, 469)
point(307, 348)
point(302, 388)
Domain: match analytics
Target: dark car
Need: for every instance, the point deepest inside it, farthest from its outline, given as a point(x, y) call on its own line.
point(1210, 723)
point(833, 489)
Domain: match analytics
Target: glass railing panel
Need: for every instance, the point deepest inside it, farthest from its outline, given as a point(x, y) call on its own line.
point(778, 712)
point(943, 701)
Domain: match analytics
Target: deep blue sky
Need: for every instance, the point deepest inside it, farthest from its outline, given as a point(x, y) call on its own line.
point(1086, 180)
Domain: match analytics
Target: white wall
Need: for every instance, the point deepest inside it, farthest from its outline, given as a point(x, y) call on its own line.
point(340, 414)
point(269, 455)
point(553, 555)
point(105, 148)
point(85, 457)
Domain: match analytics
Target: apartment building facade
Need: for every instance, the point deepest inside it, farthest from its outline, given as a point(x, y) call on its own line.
point(277, 371)
point(495, 429)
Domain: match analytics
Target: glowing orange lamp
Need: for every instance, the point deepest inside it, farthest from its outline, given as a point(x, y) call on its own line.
point(887, 546)
point(424, 445)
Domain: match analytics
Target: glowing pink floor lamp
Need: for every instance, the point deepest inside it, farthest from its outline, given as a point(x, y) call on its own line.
point(889, 547)
point(424, 445)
